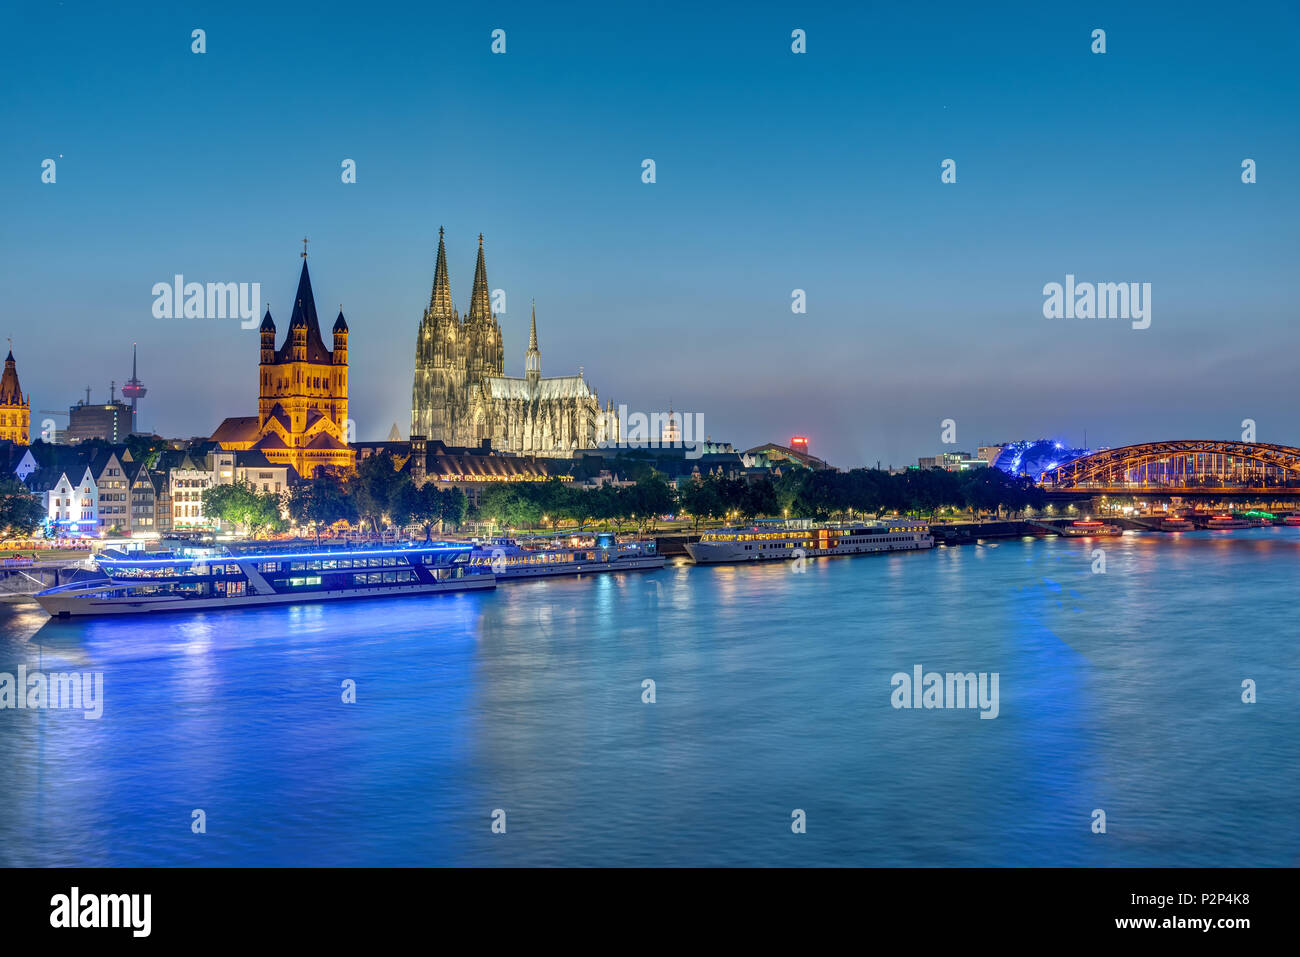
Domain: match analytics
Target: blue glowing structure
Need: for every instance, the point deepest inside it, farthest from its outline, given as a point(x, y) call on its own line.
point(1035, 458)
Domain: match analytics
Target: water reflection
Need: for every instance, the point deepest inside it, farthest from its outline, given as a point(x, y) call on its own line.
point(1118, 690)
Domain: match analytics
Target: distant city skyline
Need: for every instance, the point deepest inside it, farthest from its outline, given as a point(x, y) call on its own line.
point(775, 171)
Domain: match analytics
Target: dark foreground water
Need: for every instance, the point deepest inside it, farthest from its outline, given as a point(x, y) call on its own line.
point(1119, 691)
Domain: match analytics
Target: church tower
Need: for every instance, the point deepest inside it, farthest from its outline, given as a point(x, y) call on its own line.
point(15, 408)
point(485, 355)
point(453, 357)
point(339, 375)
point(302, 403)
point(439, 395)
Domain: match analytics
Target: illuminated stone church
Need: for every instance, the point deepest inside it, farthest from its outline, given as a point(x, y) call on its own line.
point(15, 408)
point(461, 395)
point(302, 402)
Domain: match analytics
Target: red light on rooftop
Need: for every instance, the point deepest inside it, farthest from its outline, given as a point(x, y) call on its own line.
point(799, 442)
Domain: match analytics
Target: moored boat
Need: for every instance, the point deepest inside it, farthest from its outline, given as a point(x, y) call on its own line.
point(510, 559)
point(216, 578)
point(1226, 521)
point(1091, 529)
point(799, 539)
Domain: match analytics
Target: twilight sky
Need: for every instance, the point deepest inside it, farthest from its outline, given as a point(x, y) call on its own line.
point(775, 172)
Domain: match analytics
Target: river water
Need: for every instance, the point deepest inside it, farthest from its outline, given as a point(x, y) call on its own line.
point(1119, 690)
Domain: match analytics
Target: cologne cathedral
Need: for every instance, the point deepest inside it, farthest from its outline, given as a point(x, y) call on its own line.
point(462, 397)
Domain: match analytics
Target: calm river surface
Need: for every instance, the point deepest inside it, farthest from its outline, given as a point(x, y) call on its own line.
point(1119, 691)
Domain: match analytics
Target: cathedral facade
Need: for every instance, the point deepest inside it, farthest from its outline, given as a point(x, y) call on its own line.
point(461, 395)
point(302, 401)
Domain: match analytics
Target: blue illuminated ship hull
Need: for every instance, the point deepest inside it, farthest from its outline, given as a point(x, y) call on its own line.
point(219, 580)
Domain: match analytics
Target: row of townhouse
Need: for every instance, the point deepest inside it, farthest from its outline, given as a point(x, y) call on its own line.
point(105, 492)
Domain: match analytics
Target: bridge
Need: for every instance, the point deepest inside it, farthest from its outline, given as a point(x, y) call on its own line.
point(1187, 467)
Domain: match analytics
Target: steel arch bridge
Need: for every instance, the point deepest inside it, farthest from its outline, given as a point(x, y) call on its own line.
point(1185, 466)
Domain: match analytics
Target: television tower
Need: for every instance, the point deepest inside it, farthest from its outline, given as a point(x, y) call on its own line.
point(133, 389)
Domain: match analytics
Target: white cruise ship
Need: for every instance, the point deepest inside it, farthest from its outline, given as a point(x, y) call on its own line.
point(802, 539)
point(221, 578)
point(574, 555)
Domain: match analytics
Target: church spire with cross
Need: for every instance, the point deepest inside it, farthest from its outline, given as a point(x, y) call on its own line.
point(480, 302)
point(302, 403)
point(533, 357)
point(440, 306)
point(15, 408)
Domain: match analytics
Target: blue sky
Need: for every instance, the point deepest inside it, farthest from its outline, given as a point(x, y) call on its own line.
point(775, 171)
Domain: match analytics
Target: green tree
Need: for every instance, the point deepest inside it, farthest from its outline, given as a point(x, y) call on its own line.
point(243, 506)
point(372, 487)
point(321, 502)
point(511, 505)
point(231, 504)
point(582, 506)
point(759, 499)
point(648, 499)
point(702, 500)
point(453, 507)
point(145, 449)
point(266, 513)
point(21, 512)
point(606, 504)
point(427, 508)
point(404, 502)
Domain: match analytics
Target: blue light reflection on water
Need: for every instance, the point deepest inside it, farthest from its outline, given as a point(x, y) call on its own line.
point(1119, 691)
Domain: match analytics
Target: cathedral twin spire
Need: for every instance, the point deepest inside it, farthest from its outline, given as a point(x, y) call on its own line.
point(461, 395)
point(440, 304)
point(480, 304)
point(440, 299)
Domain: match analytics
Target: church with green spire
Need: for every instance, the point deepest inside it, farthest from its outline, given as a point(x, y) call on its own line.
point(462, 397)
